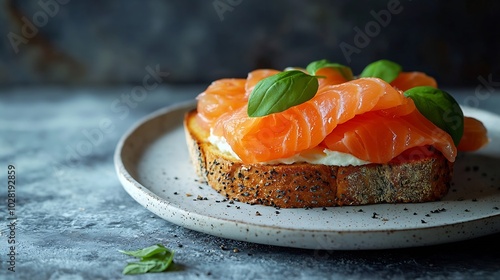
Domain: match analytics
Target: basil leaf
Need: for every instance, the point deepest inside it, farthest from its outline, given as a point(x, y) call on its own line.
point(153, 265)
point(440, 108)
point(146, 252)
point(316, 65)
point(156, 258)
point(383, 69)
point(139, 267)
point(281, 91)
point(163, 261)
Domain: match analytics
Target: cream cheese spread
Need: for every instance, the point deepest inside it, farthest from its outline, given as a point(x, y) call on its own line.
point(313, 156)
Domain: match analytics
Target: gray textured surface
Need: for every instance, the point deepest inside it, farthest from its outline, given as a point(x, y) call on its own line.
point(73, 214)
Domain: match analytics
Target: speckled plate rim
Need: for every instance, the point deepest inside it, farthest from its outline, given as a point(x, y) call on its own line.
point(308, 238)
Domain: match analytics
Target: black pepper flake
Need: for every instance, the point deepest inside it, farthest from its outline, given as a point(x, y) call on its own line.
point(406, 209)
point(375, 215)
point(257, 213)
point(423, 222)
point(176, 193)
point(324, 209)
point(427, 215)
point(496, 208)
point(277, 212)
point(176, 178)
point(228, 205)
point(438, 211)
point(237, 207)
point(415, 214)
point(474, 199)
point(467, 210)
point(361, 210)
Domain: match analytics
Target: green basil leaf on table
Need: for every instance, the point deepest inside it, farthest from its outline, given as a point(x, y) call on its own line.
point(440, 108)
point(281, 91)
point(383, 69)
point(139, 267)
point(156, 258)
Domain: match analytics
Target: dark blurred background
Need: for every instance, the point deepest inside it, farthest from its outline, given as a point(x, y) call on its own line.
point(93, 43)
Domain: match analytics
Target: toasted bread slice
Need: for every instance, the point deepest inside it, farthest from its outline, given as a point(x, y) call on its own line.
point(419, 175)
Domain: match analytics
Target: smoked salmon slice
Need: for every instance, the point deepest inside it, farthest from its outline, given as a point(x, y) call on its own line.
point(227, 95)
point(475, 135)
point(380, 136)
point(256, 76)
point(220, 97)
point(304, 126)
point(407, 80)
point(329, 76)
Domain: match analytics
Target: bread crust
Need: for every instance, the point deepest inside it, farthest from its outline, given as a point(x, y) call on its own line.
point(418, 175)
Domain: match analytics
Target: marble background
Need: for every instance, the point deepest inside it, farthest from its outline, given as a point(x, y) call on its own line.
point(112, 42)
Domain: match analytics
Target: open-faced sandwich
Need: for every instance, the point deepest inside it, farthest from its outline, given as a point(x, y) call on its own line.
point(320, 136)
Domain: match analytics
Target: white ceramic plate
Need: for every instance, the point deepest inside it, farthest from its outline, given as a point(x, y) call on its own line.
point(153, 165)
